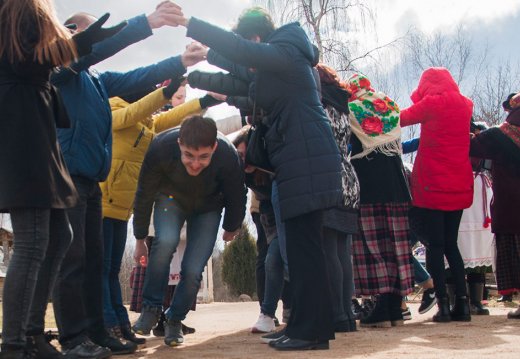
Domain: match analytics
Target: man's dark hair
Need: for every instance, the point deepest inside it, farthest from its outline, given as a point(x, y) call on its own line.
point(198, 131)
point(242, 136)
point(254, 21)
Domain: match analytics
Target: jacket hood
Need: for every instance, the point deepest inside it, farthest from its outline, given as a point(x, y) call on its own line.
point(434, 81)
point(293, 33)
point(117, 103)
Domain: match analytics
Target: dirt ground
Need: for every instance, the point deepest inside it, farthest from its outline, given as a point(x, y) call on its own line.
point(223, 331)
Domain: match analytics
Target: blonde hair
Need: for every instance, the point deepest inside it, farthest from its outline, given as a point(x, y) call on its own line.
point(31, 27)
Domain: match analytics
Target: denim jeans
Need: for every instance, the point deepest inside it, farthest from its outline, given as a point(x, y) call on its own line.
point(201, 233)
point(420, 273)
point(114, 240)
point(78, 294)
point(261, 253)
point(41, 238)
point(274, 282)
point(280, 227)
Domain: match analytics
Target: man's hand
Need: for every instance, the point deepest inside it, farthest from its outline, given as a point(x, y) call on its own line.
point(195, 53)
point(166, 13)
point(141, 250)
point(229, 236)
point(180, 19)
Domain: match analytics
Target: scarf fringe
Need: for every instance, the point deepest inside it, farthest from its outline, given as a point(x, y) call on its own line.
point(388, 149)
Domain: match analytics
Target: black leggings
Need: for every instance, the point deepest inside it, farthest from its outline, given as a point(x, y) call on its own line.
point(439, 235)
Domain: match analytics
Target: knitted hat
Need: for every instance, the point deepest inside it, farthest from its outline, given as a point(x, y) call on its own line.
point(508, 105)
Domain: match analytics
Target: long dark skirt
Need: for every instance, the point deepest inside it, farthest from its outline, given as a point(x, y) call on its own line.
point(508, 263)
point(381, 252)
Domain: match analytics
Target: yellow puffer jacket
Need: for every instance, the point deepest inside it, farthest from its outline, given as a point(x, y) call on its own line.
point(133, 129)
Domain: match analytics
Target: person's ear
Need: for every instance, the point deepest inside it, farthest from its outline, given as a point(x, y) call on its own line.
point(215, 146)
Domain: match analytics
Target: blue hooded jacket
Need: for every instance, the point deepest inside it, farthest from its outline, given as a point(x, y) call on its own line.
point(87, 144)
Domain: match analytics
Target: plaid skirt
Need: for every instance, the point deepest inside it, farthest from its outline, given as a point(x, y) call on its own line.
point(508, 263)
point(381, 252)
point(136, 284)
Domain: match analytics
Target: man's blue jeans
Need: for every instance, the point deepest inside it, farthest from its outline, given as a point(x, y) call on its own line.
point(201, 232)
point(274, 272)
point(280, 227)
point(114, 240)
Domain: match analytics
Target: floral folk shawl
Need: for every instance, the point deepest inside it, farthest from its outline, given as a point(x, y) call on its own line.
point(377, 118)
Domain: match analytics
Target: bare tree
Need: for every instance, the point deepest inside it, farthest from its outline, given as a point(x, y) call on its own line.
point(492, 88)
point(330, 24)
point(441, 49)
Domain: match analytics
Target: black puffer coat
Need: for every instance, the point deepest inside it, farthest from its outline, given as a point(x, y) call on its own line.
point(300, 142)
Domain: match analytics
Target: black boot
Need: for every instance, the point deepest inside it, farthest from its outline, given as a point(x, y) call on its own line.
point(476, 292)
point(394, 310)
point(443, 314)
point(128, 334)
point(158, 330)
point(460, 311)
point(379, 317)
point(39, 346)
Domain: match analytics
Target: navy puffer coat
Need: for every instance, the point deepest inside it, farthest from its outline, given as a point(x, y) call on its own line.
point(300, 142)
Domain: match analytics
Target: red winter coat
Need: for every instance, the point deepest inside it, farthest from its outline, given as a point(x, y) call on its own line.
point(442, 178)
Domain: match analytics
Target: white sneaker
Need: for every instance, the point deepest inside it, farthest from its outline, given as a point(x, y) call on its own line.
point(264, 324)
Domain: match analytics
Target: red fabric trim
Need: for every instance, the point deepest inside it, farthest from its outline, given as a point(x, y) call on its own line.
point(513, 132)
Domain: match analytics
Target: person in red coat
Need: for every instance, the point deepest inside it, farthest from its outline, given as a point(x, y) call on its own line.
point(442, 180)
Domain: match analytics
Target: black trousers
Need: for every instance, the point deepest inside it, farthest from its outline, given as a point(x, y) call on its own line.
point(261, 249)
point(439, 234)
point(78, 293)
point(311, 310)
point(338, 254)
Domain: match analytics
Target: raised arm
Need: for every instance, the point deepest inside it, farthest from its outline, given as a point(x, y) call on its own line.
point(137, 111)
point(136, 30)
point(273, 57)
point(241, 72)
point(417, 113)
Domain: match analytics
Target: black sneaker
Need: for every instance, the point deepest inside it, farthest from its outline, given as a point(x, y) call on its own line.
point(505, 298)
point(428, 300)
point(117, 346)
point(274, 336)
point(187, 330)
point(87, 350)
point(41, 348)
point(173, 333)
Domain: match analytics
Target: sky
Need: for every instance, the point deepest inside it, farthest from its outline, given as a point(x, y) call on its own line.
point(492, 22)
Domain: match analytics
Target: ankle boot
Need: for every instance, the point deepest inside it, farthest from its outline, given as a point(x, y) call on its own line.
point(460, 311)
point(40, 347)
point(128, 334)
point(476, 292)
point(394, 310)
point(443, 314)
point(379, 317)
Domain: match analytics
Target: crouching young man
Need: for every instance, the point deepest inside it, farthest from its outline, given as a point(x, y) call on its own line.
point(189, 174)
